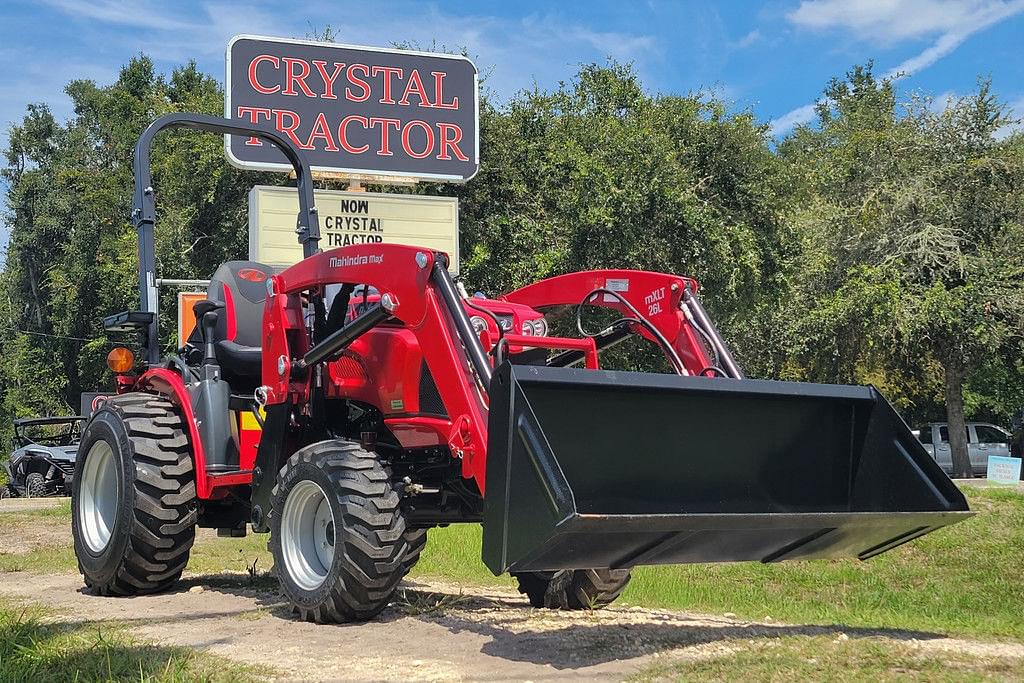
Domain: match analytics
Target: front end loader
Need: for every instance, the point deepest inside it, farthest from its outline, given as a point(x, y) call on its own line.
point(353, 401)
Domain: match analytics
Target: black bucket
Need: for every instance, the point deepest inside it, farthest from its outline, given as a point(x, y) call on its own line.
point(594, 468)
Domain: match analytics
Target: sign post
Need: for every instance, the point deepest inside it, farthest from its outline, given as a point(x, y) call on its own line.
point(369, 113)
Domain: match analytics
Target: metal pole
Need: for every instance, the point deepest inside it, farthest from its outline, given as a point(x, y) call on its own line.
point(446, 288)
point(171, 282)
point(338, 340)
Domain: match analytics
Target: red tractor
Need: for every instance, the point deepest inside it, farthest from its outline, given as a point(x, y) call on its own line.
point(353, 401)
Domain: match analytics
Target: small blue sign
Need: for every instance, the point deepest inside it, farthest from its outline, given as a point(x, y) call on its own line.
point(1003, 470)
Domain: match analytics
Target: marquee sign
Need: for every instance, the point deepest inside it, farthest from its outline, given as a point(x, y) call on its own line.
point(361, 111)
point(351, 218)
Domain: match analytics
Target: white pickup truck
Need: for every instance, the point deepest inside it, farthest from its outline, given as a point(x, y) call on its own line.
point(983, 440)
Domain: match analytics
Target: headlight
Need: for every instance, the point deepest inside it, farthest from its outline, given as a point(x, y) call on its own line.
point(479, 324)
point(504, 322)
point(535, 328)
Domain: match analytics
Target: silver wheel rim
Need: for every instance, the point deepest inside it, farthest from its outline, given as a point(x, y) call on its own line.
point(98, 502)
point(307, 535)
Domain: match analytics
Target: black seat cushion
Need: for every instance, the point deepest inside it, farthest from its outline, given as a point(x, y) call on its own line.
point(242, 287)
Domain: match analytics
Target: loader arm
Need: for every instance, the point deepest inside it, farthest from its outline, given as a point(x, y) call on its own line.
point(659, 297)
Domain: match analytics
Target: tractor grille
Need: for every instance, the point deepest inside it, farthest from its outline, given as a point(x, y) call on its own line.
point(430, 398)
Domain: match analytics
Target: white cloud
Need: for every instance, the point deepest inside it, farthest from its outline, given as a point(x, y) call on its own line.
point(144, 15)
point(747, 40)
point(941, 103)
point(538, 47)
point(792, 119)
point(890, 21)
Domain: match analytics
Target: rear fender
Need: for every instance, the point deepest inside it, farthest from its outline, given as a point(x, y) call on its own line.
point(170, 385)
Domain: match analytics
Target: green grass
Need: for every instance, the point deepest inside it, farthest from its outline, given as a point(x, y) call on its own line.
point(826, 658)
point(965, 579)
point(35, 648)
point(453, 554)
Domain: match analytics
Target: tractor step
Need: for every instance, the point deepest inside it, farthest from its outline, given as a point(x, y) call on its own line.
point(615, 469)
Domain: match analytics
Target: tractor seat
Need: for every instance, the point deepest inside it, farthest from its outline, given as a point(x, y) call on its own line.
point(242, 287)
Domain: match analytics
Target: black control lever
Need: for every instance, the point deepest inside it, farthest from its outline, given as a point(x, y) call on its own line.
point(207, 313)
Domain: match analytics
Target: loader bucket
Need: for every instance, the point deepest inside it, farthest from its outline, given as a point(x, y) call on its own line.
point(592, 468)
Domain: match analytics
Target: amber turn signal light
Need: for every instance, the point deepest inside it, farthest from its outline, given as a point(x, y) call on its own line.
point(120, 359)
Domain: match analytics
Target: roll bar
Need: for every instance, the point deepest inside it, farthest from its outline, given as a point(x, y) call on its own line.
point(144, 205)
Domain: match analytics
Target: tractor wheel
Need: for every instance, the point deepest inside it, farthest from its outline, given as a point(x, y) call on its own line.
point(416, 540)
point(573, 589)
point(35, 486)
point(134, 497)
point(337, 534)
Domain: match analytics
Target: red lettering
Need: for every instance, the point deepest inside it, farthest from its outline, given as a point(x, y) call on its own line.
point(385, 149)
point(288, 130)
point(252, 73)
point(293, 77)
point(254, 114)
point(439, 96)
point(415, 86)
point(343, 136)
point(321, 130)
point(407, 146)
point(321, 66)
point(452, 142)
point(388, 72)
point(358, 82)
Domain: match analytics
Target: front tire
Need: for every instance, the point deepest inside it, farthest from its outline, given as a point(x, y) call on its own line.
point(417, 541)
point(573, 589)
point(133, 497)
point(338, 536)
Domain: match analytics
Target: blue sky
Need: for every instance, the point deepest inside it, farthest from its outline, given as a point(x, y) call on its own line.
point(773, 57)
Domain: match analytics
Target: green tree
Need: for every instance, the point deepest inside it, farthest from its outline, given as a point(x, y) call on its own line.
point(911, 231)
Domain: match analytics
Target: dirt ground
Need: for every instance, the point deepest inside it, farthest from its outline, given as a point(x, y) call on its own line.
point(434, 631)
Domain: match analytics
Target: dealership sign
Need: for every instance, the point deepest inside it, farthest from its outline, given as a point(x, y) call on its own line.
point(360, 111)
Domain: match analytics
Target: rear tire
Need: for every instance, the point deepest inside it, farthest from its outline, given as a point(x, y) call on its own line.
point(338, 536)
point(573, 588)
point(35, 486)
point(134, 497)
